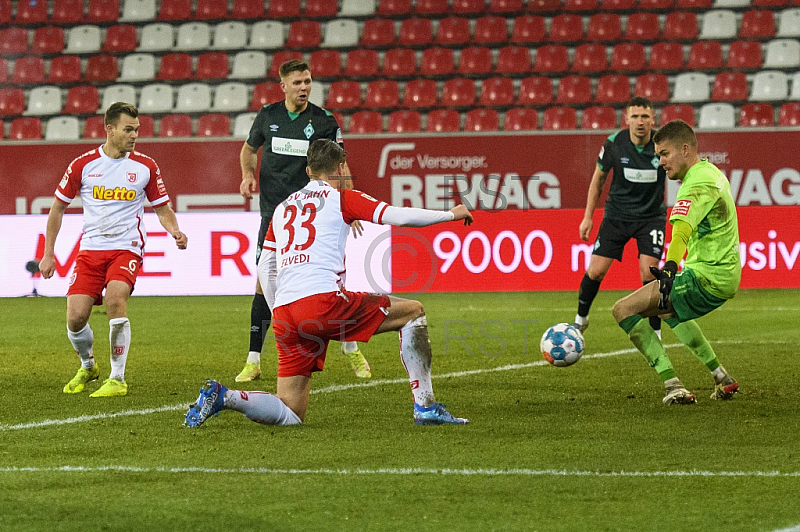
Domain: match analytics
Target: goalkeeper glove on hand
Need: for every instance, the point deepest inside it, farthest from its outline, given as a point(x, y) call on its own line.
point(665, 278)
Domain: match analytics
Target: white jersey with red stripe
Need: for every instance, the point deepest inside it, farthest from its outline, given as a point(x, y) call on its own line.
point(112, 192)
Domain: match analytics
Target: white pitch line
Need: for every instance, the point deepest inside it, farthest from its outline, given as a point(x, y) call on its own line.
point(795, 528)
point(328, 389)
point(489, 472)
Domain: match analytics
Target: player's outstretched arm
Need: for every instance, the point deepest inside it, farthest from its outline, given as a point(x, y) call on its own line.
point(170, 222)
point(47, 265)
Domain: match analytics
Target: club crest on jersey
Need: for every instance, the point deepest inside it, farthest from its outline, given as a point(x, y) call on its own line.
point(654, 162)
point(309, 130)
point(131, 177)
point(681, 207)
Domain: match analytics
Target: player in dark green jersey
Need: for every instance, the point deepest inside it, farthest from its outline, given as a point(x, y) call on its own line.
point(634, 209)
point(704, 224)
point(284, 129)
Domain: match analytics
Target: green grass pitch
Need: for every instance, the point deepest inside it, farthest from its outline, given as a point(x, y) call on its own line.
point(588, 447)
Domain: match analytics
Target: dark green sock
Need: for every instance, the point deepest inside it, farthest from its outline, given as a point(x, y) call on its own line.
point(646, 341)
point(692, 337)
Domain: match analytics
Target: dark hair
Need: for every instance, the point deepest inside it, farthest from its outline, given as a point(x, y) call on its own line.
point(293, 65)
point(676, 131)
point(640, 101)
point(119, 108)
point(324, 157)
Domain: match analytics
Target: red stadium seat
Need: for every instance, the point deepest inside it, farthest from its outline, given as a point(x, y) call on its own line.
point(283, 9)
point(505, 6)
point(415, 32)
point(266, 93)
point(437, 62)
point(642, 27)
point(757, 24)
point(321, 8)
point(544, 6)
point(729, 86)
point(404, 122)
point(656, 5)
point(146, 126)
point(5, 14)
point(553, 58)
point(604, 27)
point(248, 9)
point(482, 120)
point(581, 5)
point(666, 56)
point(12, 101)
point(490, 29)
point(469, 7)
point(304, 34)
point(31, 12)
point(771, 3)
point(3, 70)
point(95, 127)
point(175, 10)
point(120, 38)
point(400, 62)
point(344, 95)
point(628, 57)
point(175, 66)
point(497, 91)
point(101, 68)
point(382, 94)
point(420, 93)
point(678, 111)
point(394, 8)
point(618, 5)
point(361, 64)
point(431, 7)
point(280, 58)
point(680, 26)
point(177, 125)
point(699, 5)
point(82, 100)
point(366, 122)
point(613, 89)
point(13, 41)
point(214, 125)
point(458, 92)
point(212, 65)
point(27, 128)
point(513, 60)
point(590, 57)
point(654, 87)
point(560, 118)
point(757, 115)
point(103, 11)
point(535, 90)
point(566, 27)
point(211, 10)
point(325, 64)
point(67, 12)
point(528, 29)
point(705, 55)
point(521, 119)
point(789, 114)
point(453, 31)
point(48, 40)
point(599, 117)
point(744, 55)
point(28, 70)
point(475, 60)
point(443, 121)
point(574, 90)
point(377, 33)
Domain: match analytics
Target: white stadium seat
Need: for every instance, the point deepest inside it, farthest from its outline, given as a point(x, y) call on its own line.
point(118, 93)
point(138, 10)
point(193, 36)
point(138, 67)
point(691, 87)
point(62, 128)
point(718, 24)
point(717, 116)
point(769, 86)
point(249, 65)
point(83, 40)
point(193, 97)
point(783, 53)
point(44, 101)
point(156, 98)
point(230, 97)
point(340, 33)
point(230, 36)
point(242, 124)
point(158, 37)
point(267, 35)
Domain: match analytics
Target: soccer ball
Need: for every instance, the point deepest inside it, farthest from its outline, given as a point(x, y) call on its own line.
point(562, 345)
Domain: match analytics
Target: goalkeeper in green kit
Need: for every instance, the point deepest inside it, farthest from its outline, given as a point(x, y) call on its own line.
point(704, 224)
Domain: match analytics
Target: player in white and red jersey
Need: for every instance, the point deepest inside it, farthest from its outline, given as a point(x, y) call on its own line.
point(112, 182)
point(301, 267)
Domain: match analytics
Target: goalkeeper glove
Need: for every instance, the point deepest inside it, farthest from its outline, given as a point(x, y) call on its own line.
point(665, 278)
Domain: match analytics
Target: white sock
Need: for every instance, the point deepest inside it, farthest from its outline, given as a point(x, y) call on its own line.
point(82, 341)
point(254, 357)
point(119, 336)
point(581, 320)
point(415, 352)
point(658, 333)
point(349, 347)
point(718, 373)
point(261, 407)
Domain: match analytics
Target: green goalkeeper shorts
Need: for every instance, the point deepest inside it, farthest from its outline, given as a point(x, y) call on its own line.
point(689, 299)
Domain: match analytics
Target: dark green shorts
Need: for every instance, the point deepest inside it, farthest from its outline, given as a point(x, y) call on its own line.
point(689, 299)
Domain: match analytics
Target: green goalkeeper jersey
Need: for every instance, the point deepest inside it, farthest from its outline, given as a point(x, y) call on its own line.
point(705, 202)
